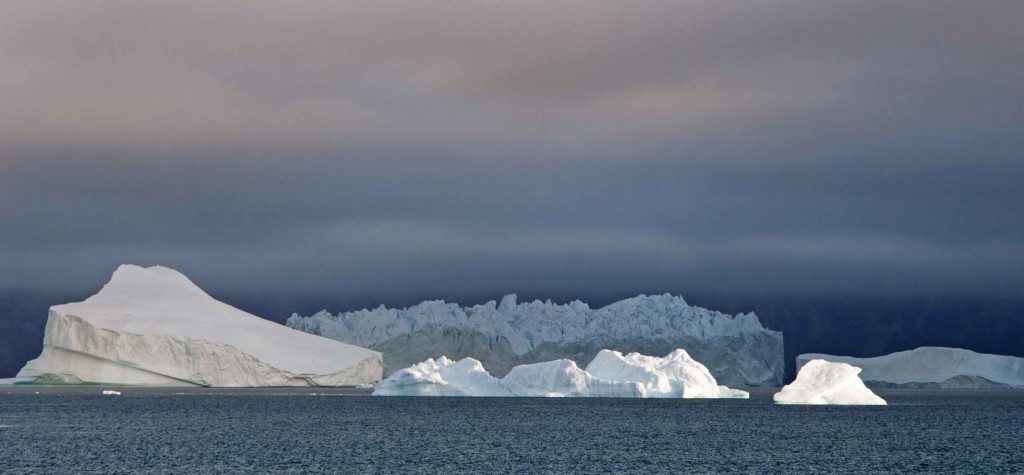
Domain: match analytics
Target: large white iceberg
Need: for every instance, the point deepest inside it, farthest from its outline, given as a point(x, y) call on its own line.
point(673, 376)
point(614, 375)
point(824, 382)
point(737, 349)
point(930, 366)
point(442, 377)
point(153, 326)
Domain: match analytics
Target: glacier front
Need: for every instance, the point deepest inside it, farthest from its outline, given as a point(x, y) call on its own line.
point(825, 382)
point(737, 349)
point(611, 374)
point(153, 326)
point(930, 366)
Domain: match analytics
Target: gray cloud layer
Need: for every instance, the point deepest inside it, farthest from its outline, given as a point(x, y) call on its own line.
point(535, 146)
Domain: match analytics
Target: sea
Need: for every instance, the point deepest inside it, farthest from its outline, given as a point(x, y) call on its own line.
point(80, 430)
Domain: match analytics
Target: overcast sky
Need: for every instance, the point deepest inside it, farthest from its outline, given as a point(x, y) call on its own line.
point(533, 146)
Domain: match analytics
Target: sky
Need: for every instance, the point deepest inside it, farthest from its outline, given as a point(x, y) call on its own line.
point(870, 148)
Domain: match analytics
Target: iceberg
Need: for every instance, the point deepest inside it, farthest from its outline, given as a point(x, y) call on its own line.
point(930, 366)
point(153, 326)
point(563, 378)
point(676, 375)
point(737, 349)
point(614, 375)
point(824, 382)
point(442, 377)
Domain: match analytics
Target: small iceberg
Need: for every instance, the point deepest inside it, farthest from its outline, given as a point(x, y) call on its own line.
point(111, 392)
point(824, 382)
point(610, 374)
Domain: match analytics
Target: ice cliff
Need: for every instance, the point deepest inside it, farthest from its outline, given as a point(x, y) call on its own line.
point(153, 326)
point(737, 350)
point(824, 382)
point(611, 374)
point(930, 366)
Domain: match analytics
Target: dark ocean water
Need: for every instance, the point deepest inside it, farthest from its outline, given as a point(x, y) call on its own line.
point(209, 431)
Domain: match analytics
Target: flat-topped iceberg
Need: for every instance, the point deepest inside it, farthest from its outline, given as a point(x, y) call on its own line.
point(930, 366)
point(824, 382)
point(611, 374)
point(737, 349)
point(153, 326)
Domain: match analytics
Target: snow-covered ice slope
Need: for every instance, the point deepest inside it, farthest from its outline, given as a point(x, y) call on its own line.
point(736, 349)
point(824, 382)
point(614, 375)
point(944, 367)
point(153, 326)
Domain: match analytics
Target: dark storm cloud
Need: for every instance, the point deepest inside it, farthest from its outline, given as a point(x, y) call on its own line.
point(536, 146)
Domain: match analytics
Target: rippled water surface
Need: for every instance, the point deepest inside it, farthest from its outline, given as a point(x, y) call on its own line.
point(210, 431)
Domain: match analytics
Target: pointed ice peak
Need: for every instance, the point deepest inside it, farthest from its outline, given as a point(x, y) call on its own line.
point(133, 280)
point(508, 303)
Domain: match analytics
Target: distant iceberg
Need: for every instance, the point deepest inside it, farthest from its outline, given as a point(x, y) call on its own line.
point(824, 382)
point(736, 349)
point(153, 326)
point(930, 366)
point(611, 374)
